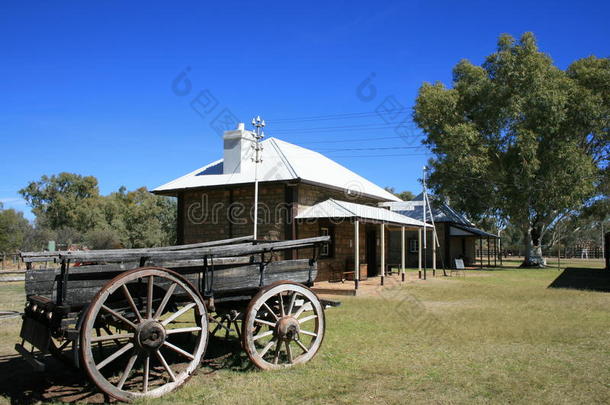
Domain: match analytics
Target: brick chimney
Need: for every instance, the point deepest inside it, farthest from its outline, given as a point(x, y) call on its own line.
point(238, 150)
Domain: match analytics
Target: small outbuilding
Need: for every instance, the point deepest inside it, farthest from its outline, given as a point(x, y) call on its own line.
point(458, 237)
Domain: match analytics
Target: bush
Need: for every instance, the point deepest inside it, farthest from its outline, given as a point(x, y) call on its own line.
point(103, 239)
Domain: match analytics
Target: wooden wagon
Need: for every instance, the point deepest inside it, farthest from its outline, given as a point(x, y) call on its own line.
point(138, 321)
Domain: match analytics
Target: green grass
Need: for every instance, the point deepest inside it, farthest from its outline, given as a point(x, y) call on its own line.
point(12, 298)
point(495, 336)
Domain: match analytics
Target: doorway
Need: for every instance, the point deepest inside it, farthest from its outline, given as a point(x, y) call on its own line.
point(371, 252)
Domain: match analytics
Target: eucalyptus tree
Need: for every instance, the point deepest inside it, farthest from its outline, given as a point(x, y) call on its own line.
point(519, 137)
point(71, 206)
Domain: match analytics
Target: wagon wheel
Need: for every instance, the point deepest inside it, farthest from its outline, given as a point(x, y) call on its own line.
point(284, 325)
point(134, 343)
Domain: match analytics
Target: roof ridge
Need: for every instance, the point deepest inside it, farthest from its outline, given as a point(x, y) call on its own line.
point(337, 202)
point(283, 157)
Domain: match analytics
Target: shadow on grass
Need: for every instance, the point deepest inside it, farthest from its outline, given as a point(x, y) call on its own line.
point(583, 279)
point(226, 354)
point(20, 384)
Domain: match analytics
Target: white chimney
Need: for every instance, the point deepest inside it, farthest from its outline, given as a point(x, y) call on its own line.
point(238, 150)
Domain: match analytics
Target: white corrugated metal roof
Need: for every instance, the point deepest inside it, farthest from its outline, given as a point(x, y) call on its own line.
point(332, 208)
point(283, 161)
point(441, 211)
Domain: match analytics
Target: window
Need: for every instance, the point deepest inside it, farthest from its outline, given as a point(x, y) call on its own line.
point(413, 245)
point(325, 249)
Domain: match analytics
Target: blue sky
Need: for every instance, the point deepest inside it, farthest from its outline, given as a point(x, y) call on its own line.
point(87, 87)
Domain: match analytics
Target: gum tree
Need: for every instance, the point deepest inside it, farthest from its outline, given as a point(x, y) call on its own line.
point(519, 138)
point(71, 205)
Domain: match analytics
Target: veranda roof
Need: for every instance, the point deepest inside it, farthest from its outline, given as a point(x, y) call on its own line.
point(461, 230)
point(460, 225)
point(332, 208)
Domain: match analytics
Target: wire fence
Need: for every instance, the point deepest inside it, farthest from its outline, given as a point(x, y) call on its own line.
point(582, 253)
point(566, 253)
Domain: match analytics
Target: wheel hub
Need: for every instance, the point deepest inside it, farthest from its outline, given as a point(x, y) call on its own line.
point(150, 335)
point(287, 328)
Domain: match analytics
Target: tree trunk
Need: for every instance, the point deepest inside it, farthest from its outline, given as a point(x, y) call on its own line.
point(533, 248)
point(527, 244)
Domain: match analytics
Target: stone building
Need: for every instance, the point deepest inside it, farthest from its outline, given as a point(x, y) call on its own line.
point(301, 194)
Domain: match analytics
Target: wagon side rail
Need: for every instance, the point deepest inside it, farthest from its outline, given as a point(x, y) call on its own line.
point(32, 257)
point(240, 249)
point(206, 259)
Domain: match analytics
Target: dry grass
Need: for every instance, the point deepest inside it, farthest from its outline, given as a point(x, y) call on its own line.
point(502, 338)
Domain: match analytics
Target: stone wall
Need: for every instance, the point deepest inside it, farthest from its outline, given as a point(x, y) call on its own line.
point(226, 212)
point(220, 213)
point(205, 216)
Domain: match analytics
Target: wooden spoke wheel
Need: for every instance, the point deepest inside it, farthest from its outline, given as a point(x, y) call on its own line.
point(284, 325)
point(143, 334)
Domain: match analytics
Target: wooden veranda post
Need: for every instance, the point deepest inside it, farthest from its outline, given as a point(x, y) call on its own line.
point(495, 252)
point(356, 254)
point(382, 238)
point(402, 251)
point(488, 256)
point(419, 252)
point(481, 251)
point(434, 251)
